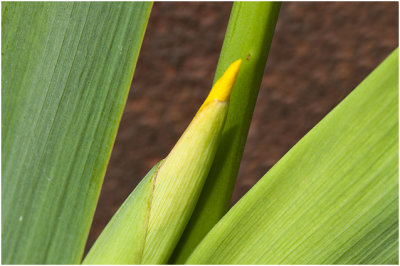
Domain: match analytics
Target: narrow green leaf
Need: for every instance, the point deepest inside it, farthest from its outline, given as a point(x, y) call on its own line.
point(152, 219)
point(66, 72)
point(332, 199)
point(248, 36)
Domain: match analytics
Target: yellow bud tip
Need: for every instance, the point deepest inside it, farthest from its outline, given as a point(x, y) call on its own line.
point(223, 87)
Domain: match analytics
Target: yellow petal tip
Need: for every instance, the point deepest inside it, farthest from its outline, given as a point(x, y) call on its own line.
point(223, 87)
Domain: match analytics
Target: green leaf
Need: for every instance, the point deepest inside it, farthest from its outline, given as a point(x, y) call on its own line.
point(66, 72)
point(248, 36)
point(332, 199)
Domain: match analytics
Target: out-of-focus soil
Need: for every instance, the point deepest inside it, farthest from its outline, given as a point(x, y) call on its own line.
point(319, 53)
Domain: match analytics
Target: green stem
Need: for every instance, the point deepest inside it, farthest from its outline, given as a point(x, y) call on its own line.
point(249, 35)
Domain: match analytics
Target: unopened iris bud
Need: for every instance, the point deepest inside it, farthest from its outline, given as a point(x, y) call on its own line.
point(147, 227)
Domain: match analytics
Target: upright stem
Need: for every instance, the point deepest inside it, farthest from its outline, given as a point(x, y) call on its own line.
point(248, 37)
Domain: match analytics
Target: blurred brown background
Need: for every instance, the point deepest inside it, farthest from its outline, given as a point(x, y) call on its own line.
point(319, 53)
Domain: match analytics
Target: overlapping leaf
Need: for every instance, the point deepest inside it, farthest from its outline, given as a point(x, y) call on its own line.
point(333, 198)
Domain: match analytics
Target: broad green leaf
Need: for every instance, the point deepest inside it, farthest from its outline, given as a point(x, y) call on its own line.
point(150, 222)
point(66, 72)
point(332, 199)
point(248, 36)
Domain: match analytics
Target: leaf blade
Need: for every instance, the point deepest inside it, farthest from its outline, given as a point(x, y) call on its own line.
point(329, 195)
point(66, 71)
